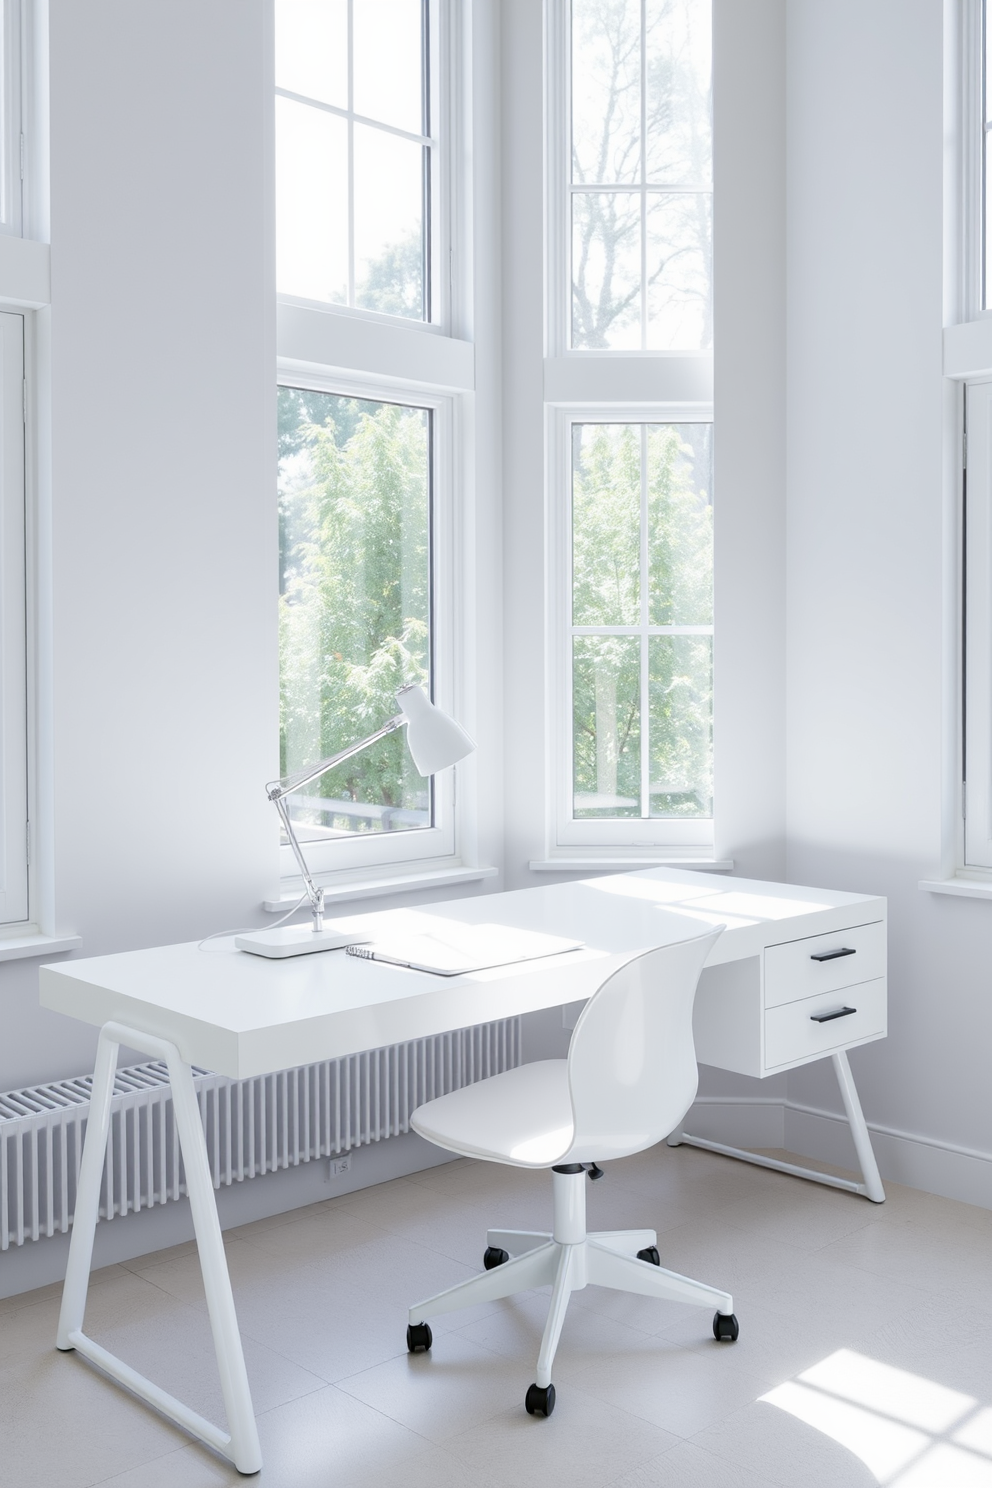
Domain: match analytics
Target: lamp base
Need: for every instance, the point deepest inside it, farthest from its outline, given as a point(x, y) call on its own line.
point(295, 940)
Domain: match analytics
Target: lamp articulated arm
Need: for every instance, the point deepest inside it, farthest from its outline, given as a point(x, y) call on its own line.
point(277, 790)
point(435, 742)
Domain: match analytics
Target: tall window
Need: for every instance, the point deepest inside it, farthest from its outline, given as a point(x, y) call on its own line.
point(13, 678)
point(640, 179)
point(355, 603)
point(356, 153)
point(368, 429)
point(631, 480)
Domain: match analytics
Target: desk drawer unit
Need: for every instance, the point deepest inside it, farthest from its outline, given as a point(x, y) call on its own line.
point(799, 1031)
point(824, 963)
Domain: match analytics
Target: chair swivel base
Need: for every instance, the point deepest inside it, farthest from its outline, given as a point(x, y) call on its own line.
point(568, 1259)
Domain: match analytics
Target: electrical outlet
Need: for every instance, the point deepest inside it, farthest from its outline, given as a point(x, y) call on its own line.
point(338, 1165)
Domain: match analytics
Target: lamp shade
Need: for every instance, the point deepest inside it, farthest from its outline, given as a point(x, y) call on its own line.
point(436, 741)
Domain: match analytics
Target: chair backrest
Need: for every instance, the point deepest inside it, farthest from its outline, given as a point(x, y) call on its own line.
point(632, 1063)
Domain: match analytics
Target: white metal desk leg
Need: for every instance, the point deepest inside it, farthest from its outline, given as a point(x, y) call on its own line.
point(245, 1448)
point(80, 1262)
point(240, 1443)
point(859, 1129)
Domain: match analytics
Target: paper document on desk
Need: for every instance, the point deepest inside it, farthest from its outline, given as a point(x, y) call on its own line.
point(456, 949)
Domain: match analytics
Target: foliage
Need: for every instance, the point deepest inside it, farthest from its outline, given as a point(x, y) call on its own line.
point(355, 588)
point(668, 149)
point(394, 284)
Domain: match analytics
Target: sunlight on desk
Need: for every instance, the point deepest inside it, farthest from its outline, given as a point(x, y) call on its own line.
point(718, 904)
point(713, 917)
point(657, 891)
point(909, 1431)
point(761, 906)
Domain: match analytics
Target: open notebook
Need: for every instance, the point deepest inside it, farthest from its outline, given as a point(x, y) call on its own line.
point(456, 949)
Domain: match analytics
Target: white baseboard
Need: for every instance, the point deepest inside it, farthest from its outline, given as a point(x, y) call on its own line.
point(903, 1157)
point(40, 1262)
point(754, 1121)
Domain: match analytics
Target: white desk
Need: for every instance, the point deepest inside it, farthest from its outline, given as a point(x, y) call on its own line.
point(770, 999)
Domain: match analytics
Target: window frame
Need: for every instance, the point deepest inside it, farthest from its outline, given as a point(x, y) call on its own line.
point(678, 837)
point(423, 364)
point(967, 845)
point(15, 886)
point(439, 293)
point(975, 840)
point(437, 843)
point(591, 385)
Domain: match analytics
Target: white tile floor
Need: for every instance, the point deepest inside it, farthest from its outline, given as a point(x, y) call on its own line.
point(870, 1329)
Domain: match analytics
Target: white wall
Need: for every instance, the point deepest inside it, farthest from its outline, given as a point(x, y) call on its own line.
point(866, 683)
point(162, 659)
point(749, 434)
point(525, 681)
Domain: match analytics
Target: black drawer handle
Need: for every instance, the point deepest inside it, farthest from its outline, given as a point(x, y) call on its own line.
point(832, 955)
point(829, 1017)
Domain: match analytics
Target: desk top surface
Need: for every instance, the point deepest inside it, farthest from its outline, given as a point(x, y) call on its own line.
point(242, 1015)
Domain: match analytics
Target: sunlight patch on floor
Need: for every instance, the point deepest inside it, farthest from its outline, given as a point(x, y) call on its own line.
point(910, 1432)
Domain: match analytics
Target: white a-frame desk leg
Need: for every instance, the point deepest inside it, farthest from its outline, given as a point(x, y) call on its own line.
point(871, 1188)
point(240, 1443)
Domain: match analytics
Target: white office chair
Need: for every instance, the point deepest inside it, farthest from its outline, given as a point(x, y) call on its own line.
point(629, 1078)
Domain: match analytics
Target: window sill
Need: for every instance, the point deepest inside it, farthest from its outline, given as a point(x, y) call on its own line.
point(17, 947)
point(375, 888)
point(969, 888)
point(627, 865)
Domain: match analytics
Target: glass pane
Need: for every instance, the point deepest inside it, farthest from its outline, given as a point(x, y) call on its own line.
point(606, 524)
point(680, 271)
point(606, 270)
point(389, 62)
point(680, 691)
point(311, 202)
point(606, 742)
point(680, 524)
point(389, 235)
point(677, 106)
point(312, 49)
point(606, 91)
point(354, 484)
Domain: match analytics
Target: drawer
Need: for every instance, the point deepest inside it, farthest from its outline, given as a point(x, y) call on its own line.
point(796, 970)
point(792, 1035)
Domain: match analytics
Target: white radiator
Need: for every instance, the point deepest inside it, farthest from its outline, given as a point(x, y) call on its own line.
point(252, 1126)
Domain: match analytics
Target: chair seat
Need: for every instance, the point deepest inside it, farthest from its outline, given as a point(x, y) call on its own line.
point(522, 1117)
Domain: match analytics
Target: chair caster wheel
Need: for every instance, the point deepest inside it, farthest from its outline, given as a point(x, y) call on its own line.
point(540, 1401)
point(419, 1338)
point(495, 1257)
point(725, 1327)
point(650, 1254)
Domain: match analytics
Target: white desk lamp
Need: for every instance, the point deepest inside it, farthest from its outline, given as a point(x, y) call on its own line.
point(435, 742)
